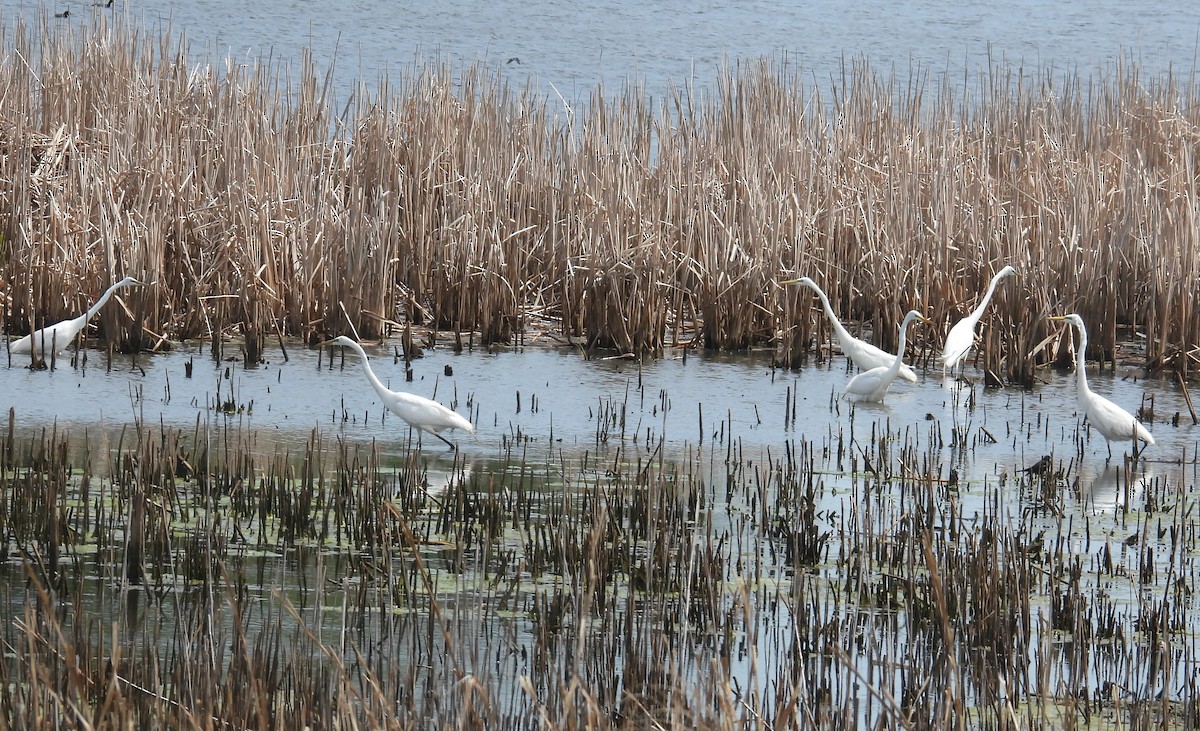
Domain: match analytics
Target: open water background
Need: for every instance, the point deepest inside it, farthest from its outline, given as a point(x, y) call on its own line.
point(568, 48)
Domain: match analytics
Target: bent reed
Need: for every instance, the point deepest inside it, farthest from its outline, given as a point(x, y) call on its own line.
point(446, 198)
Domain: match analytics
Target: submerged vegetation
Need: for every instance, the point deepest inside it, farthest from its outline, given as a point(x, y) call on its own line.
point(182, 578)
point(259, 205)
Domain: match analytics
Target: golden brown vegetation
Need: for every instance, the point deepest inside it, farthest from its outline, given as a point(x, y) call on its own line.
point(630, 222)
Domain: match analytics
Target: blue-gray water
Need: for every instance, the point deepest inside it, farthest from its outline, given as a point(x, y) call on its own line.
point(569, 48)
point(547, 393)
point(555, 404)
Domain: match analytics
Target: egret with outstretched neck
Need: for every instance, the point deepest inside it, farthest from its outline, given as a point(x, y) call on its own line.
point(425, 414)
point(873, 385)
point(57, 337)
point(1115, 423)
point(864, 355)
point(962, 335)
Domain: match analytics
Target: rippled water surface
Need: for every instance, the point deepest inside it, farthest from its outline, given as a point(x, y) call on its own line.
point(552, 423)
point(568, 48)
point(558, 393)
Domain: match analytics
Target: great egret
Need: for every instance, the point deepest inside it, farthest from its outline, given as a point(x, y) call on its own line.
point(864, 355)
point(57, 337)
point(1115, 423)
point(873, 385)
point(424, 414)
point(962, 335)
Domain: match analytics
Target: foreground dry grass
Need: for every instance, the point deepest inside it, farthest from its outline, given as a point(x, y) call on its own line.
point(630, 222)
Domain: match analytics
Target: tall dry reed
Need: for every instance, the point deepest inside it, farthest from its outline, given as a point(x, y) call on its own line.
point(447, 198)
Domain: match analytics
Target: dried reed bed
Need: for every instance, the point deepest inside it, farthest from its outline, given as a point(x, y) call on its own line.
point(447, 198)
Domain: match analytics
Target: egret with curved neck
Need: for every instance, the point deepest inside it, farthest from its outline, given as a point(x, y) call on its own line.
point(873, 385)
point(962, 336)
point(425, 414)
point(1115, 423)
point(864, 355)
point(57, 337)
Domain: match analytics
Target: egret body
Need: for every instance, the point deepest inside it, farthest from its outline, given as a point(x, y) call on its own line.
point(962, 335)
point(57, 337)
point(424, 414)
point(873, 385)
point(864, 355)
point(1115, 423)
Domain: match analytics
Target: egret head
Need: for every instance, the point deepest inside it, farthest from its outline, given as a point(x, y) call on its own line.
point(1072, 318)
point(130, 282)
point(340, 340)
point(1007, 271)
point(802, 280)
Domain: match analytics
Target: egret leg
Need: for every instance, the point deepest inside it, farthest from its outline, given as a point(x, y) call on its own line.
point(449, 443)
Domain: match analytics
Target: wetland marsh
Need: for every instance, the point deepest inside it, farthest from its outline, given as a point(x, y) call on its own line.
point(707, 540)
point(671, 518)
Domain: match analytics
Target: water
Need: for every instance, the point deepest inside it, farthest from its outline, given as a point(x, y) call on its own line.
point(572, 418)
point(558, 404)
point(555, 393)
point(556, 401)
point(568, 48)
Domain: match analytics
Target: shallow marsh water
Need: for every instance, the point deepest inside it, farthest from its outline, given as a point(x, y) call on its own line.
point(553, 423)
point(551, 402)
point(557, 393)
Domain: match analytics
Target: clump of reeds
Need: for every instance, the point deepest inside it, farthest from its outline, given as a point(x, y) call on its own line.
point(456, 202)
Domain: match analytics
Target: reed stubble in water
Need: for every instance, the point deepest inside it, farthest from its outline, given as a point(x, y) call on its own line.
point(456, 202)
point(830, 582)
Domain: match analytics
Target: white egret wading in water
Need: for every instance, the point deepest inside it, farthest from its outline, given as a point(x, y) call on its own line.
point(57, 337)
point(864, 355)
point(873, 385)
point(424, 414)
point(962, 335)
point(1115, 423)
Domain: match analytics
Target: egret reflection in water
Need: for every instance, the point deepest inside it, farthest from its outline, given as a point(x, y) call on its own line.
point(1116, 489)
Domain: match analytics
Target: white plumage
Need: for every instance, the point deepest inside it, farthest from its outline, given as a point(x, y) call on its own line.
point(864, 355)
point(962, 336)
point(57, 337)
point(873, 385)
point(424, 414)
point(1115, 423)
